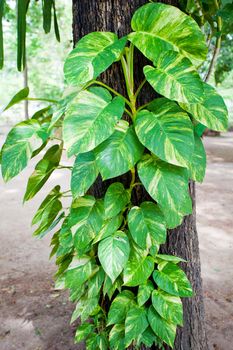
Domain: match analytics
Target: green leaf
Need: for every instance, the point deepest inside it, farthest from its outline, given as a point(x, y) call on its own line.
point(147, 225)
point(85, 308)
point(144, 292)
point(159, 27)
point(47, 15)
point(113, 253)
point(90, 119)
point(75, 277)
point(83, 331)
point(171, 258)
point(43, 170)
point(95, 283)
point(122, 146)
point(166, 131)
point(162, 328)
point(116, 198)
point(211, 111)
point(137, 271)
point(168, 306)
point(168, 186)
point(47, 202)
point(109, 288)
point(147, 338)
point(94, 53)
point(117, 337)
point(20, 144)
point(18, 97)
point(135, 324)
point(173, 280)
point(175, 78)
point(197, 165)
point(108, 228)
point(86, 220)
point(119, 307)
point(22, 7)
point(84, 174)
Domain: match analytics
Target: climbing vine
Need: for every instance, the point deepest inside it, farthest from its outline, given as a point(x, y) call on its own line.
point(107, 249)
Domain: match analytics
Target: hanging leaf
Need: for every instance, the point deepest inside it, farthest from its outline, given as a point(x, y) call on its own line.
point(137, 271)
point(90, 119)
point(171, 258)
point(84, 174)
point(197, 165)
point(211, 111)
point(113, 253)
point(108, 228)
point(119, 307)
point(159, 27)
point(94, 53)
point(95, 283)
point(76, 276)
point(20, 144)
point(175, 78)
point(86, 219)
point(42, 172)
point(147, 225)
point(147, 338)
point(18, 97)
point(47, 15)
point(122, 146)
point(162, 328)
point(144, 292)
point(166, 131)
point(22, 7)
point(116, 198)
point(135, 324)
point(168, 306)
point(47, 202)
point(173, 280)
point(117, 337)
point(56, 26)
point(109, 288)
point(168, 186)
point(83, 331)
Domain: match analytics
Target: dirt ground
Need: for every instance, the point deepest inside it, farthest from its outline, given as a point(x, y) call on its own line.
point(33, 316)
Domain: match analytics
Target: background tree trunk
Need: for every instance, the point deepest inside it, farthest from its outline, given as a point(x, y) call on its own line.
point(115, 16)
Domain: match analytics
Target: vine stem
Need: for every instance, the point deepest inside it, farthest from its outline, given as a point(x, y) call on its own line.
point(65, 167)
point(112, 90)
point(140, 88)
point(40, 99)
point(217, 46)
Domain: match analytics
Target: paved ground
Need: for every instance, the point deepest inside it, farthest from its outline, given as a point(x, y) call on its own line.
point(35, 317)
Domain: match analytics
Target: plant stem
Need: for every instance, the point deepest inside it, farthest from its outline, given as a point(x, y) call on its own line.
point(64, 167)
point(217, 46)
point(112, 90)
point(143, 106)
point(40, 99)
point(140, 88)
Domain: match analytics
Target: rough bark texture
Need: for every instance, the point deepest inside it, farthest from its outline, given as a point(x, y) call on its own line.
point(115, 16)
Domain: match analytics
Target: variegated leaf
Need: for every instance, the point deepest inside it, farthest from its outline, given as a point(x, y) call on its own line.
point(175, 78)
point(90, 119)
point(135, 323)
point(138, 270)
point(122, 146)
point(147, 225)
point(86, 219)
point(21, 141)
point(159, 27)
point(84, 174)
point(168, 186)
point(166, 131)
point(197, 165)
point(115, 199)
point(212, 111)
point(113, 253)
point(94, 53)
point(168, 306)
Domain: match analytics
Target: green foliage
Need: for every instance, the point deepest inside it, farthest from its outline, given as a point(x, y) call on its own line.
point(107, 248)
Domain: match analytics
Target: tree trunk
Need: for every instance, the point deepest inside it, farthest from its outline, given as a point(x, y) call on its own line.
point(115, 16)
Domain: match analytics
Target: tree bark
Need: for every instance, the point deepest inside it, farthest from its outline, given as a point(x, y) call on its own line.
point(115, 16)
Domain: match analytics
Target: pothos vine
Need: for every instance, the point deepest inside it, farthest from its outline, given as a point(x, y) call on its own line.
point(107, 250)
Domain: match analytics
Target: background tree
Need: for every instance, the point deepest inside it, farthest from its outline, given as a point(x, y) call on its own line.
point(115, 16)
